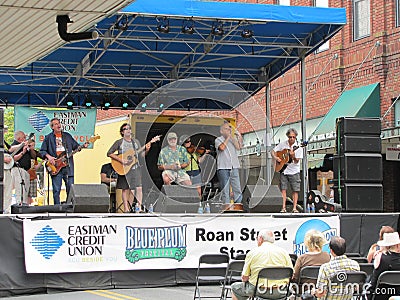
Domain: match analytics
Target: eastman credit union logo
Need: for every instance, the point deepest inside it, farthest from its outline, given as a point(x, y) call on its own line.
point(155, 242)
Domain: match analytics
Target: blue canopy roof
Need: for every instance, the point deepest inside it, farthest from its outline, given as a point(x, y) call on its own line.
point(133, 59)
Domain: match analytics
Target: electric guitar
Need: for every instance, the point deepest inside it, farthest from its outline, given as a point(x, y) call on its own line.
point(8, 166)
point(131, 158)
point(284, 155)
point(62, 159)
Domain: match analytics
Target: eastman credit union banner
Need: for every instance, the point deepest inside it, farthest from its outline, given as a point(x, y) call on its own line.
point(80, 123)
point(153, 242)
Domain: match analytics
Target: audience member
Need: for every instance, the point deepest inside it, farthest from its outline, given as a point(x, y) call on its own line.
point(389, 261)
point(314, 241)
point(375, 249)
point(265, 255)
point(338, 263)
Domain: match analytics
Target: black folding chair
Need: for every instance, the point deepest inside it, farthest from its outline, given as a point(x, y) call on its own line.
point(360, 260)
point(293, 257)
point(233, 274)
point(348, 283)
point(352, 254)
point(307, 279)
point(240, 256)
point(387, 280)
point(211, 269)
point(273, 273)
point(367, 268)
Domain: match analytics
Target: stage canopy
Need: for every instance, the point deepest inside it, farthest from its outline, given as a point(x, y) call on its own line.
point(152, 43)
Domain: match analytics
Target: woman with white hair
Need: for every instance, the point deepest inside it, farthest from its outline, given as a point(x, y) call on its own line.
point(314, 241)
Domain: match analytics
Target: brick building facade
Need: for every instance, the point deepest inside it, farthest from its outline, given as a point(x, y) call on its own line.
point(348, 62)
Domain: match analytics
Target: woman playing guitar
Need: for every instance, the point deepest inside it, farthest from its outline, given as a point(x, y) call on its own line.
point(124, 154)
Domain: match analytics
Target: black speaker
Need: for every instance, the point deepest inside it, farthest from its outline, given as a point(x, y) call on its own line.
point(1, 164)
point(89, 198)
point(263, 198)
point(360, 197)
point(27, 209)
point(358, 126)
point(2, 197)
point(360, 143)
point(178, 199)
point(358, 167)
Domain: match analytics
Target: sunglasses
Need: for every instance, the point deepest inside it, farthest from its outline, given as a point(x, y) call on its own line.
point(126, 128)
point(291, 137)
point(188, 141)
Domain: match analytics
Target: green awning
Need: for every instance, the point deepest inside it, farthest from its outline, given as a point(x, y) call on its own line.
point(362, 102)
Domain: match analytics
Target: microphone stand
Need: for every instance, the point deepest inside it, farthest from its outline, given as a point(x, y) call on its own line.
point(22, 183)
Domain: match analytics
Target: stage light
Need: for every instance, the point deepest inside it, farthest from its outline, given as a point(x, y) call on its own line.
point(122, 23)
point(217, 29)
point(88, 103)
point(163, 25)
point(106, 104)
point(124, 102)
point(160, 108)
point(247, 33)
point(143, 108)
point(70, 102)
point(188, 27)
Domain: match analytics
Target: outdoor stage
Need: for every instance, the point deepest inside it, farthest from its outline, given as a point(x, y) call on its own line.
point(70, 251)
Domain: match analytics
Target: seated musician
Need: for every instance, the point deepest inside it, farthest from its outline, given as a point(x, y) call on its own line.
point(290, 173)
point(172, 160)
point(108, 176)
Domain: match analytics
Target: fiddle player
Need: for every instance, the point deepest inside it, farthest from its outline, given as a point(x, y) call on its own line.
point(291, 173)
point(195, 156)
point(228, 164)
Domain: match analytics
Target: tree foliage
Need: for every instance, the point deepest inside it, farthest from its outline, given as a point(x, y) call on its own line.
point(9, 122)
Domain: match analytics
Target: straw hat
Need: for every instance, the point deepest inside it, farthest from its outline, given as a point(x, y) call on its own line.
point(389, 239)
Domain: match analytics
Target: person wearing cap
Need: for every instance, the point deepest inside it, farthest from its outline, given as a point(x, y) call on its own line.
point(389, 261)
point(172, 161)
point(375, 251)
point(131, 181)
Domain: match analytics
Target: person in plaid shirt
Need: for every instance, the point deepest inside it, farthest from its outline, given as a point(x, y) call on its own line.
point(338, 264)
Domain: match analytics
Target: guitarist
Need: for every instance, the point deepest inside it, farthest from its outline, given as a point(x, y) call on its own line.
point(22, 163)
point(290, 173)
point(55, 144)
point(132, 180)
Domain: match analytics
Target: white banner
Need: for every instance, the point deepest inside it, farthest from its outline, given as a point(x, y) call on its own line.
point(155, 242)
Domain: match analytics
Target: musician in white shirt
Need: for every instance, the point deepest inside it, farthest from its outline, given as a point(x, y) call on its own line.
point(290, 173)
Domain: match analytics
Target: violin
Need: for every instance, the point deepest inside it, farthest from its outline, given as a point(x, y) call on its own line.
point(193, 149)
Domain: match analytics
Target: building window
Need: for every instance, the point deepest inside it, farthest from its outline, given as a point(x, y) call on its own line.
point(361, 18)
point(322, 3)
point(283, 2)
point(397, 13)
point(397, 113)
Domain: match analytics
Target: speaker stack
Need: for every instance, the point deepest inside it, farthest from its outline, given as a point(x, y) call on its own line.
point(177, 199)
point(357, 164)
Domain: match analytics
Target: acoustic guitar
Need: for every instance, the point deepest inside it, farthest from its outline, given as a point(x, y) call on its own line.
point(62, 159)
point(131, 157)
point(8, 166)
point(284, 155)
